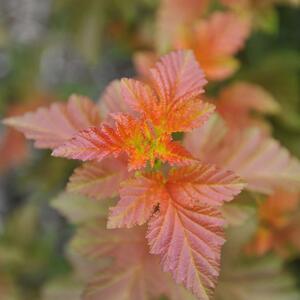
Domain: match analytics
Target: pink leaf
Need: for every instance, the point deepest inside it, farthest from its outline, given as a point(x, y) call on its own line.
point(178, 82)
point(140, 97)
point(226, 31)
point(200, 184)
point(97, 243)
point(216, 40)
point(173, 17)
point(203, 141)
point(143, 62)
point(237, 102)
point(134, 274)
point(256, 157)
point(50, 127)
point(112, 101)
point(177, 77)
point(98, 180)
point(260, 160)
point(138, 199)
point(189, 243)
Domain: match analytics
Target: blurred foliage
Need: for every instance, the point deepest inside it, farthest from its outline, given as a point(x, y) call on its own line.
point(83, 45)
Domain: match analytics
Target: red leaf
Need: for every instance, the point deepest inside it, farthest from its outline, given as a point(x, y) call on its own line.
point(50, 127)
point(13, 150)
point(173, 153)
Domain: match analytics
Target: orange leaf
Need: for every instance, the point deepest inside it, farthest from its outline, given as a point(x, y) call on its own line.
point(215, 41)
point(172, 100)
point(129, 135)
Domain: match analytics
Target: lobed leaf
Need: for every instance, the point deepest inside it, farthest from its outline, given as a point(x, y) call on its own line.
point(200, 184)
point(172, 100)
point(138, 200)
point(127, 135)
point(203, 141)
point(215, 41)
point(237, 102)
point(189, 242)
point(173, 17)
point(177, 76)
point(190, 186)
point(96, 143)
point(178, 82)
point(256, 157)
point(51, 127)
point(112, 101)
point(98, 180)
point(260, 160)
point(140, 97)
point(132, 274)
point(97, 243)
point(183, 229)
